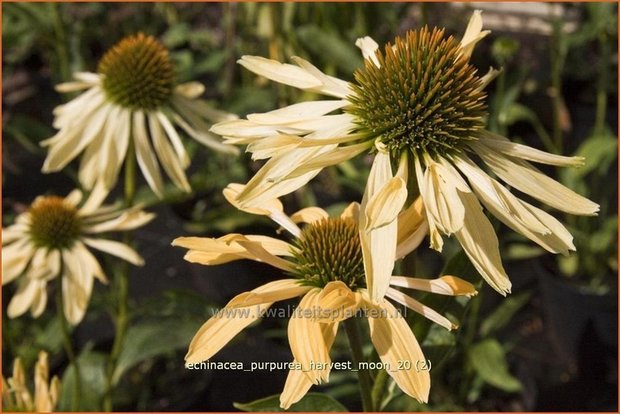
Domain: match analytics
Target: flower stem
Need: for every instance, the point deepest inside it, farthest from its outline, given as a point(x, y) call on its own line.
point(66, 339)
point(121, 282)
point(378, 389)
point(353, 333)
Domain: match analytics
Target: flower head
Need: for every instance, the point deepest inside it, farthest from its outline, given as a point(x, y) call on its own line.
point(16, 395)
point(325, 264)
point(132, 102)
point(50, 240)
point(418, 104)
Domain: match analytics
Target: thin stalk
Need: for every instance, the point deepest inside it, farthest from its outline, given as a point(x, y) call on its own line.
point(601, 86)
point(66, 339)
point(557, 62)
point(353, 333)
point(121, 282)
point(378, 389)
point(62, 52)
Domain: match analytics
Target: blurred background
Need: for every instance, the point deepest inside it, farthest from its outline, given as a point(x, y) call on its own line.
point(550, 346)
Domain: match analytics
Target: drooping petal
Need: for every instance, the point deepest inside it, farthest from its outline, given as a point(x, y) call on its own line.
point(307, 341)
point(423, 310)
point(479, 241)
point(167, 157)
point(73, 142)
point(426, 194)
point(117, 249)
point(272, 208)
point(445, 285)
point(15, 258)
point(412, 228)
point(378, 244)
point(526, 178)
point(337, 302)
point(145, 154)
point(270, 292)
point(214, 334)
point(513, 149)
point(24, 297)
point(297, 383)
point(77, 285)
point(533, 223)
point(396, 344)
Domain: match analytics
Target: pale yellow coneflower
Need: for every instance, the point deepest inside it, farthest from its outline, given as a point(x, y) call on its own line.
point(132, 101)
point(51, 239)
point(419, 104)
point(16, 395)
point(325, 267)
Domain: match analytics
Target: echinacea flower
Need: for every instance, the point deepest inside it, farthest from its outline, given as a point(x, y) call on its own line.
point(419, 104)
point(132, 102)
point(325, 267)
point(51, 239)
point(16, 395)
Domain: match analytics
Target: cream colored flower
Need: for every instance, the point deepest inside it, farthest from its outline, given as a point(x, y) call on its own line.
point(16, 395)
point(326, 267)
point(132, 102)
point(418, 104)
point(51, 239)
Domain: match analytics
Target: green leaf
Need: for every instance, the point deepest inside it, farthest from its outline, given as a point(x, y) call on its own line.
point(599, 152)
point(151, 339)
point(92, 372)
point(504, 313)
point(331, 47)
point(489, 361)
point(311, 402)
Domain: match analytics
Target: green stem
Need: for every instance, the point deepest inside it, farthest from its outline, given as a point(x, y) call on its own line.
point(353, 333)
point(121, 282)
point(557, 62)
point(62, 52)
point(66, 339)
point(378, 389)
point(601, 87)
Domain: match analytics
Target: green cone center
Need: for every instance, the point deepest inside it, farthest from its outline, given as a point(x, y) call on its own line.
point(425, 97)
point(138, 73)
point(329, 250)
point(54, 223)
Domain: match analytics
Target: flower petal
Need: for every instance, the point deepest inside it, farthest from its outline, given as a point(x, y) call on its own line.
point(395, 343)
point(214, 334)
point(473, 34)
point(306, 339)
point(297, 382)
point(115, 248)
point(378, 244)
point(479, 241)
point(412, 228)
point(15, 258)
point(309, 215)
point(416, 306)
point(337, 302)
point(272, 208)
point(445, 285)
point(145, 155)
point(505, 146)
point(271, 292)
point(524, 177)
point(280, 72)
point(369, 48)
point(167, 157)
